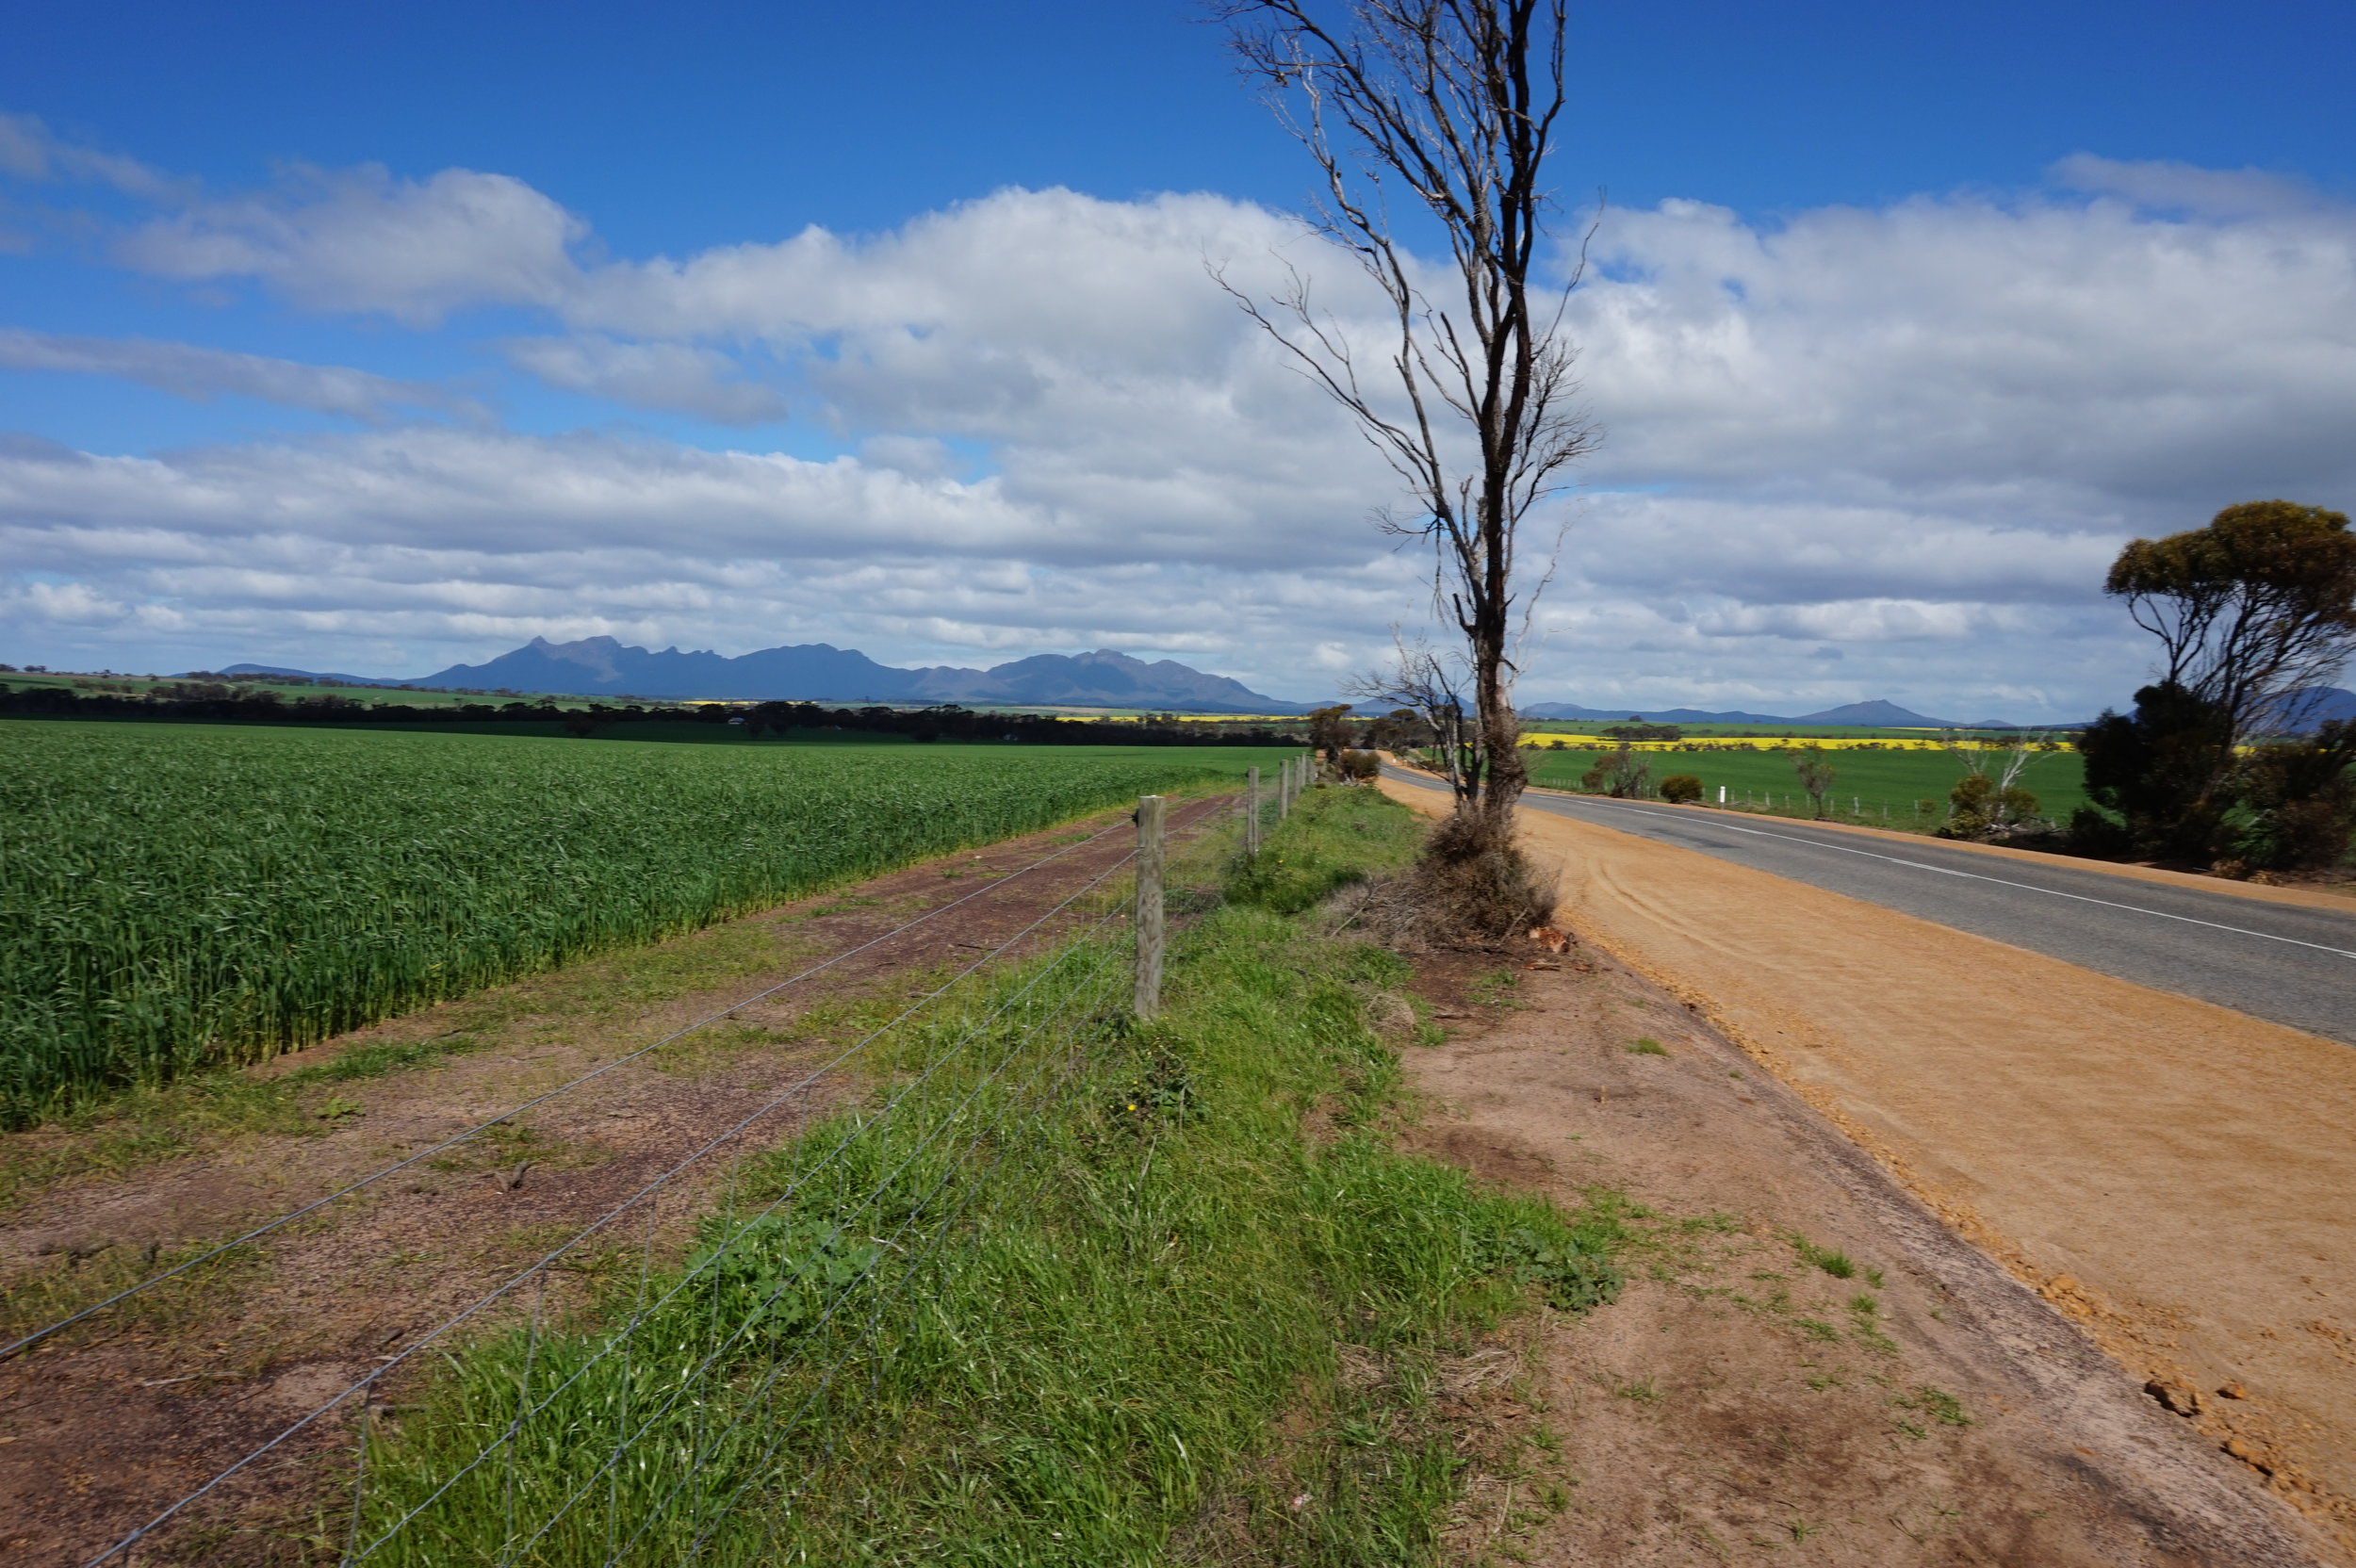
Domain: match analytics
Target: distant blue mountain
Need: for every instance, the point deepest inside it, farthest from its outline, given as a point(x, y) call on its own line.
point(1888, 716)
point(1649, 715)
point(306, 675)
point(2308, 709)
point(818, 672)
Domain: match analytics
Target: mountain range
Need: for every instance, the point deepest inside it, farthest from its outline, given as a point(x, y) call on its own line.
point(819, 672)
point(601, 666)
point(1878, 714)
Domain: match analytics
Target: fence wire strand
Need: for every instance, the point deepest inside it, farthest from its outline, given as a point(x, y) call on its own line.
point(1090, 991)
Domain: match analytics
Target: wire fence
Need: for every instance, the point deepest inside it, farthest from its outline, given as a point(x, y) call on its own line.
point(611, 1402)
point(360, 1183)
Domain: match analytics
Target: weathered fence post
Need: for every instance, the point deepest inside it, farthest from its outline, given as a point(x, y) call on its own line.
point(1150, 927)
point(1252, 813)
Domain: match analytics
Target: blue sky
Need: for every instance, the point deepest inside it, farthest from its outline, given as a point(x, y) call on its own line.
point(380, 339)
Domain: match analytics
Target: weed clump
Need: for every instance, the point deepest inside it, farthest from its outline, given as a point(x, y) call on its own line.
point(1838, 1264)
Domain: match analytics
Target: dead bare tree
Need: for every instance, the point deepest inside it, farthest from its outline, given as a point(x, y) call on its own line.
point(1420, 678)
point(1453, 103)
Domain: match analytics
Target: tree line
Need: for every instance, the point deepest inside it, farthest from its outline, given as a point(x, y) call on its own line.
point(221, 703)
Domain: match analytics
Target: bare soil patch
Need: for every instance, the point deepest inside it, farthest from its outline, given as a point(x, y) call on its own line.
point(109, 1422)
point(2122, 1202)
point(1805, 1361)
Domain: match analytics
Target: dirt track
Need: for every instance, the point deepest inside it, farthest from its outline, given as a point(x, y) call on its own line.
point(2173, 1175)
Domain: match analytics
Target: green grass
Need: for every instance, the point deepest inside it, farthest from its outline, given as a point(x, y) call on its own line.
point(182, 897)
point(1892, 779)
point(1838, 1264)
point(1941, 1406)
point(1068, 1291)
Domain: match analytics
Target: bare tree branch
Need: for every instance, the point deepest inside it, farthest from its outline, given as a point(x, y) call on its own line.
point(1454, 102)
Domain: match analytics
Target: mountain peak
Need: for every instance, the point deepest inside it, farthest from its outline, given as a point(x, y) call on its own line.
point(1879, 712)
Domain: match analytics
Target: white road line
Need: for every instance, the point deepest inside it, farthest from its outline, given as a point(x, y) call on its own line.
point(2000, 881)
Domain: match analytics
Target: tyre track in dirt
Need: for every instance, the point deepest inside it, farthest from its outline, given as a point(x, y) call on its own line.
point(2173, 1175)
point(106, 1423)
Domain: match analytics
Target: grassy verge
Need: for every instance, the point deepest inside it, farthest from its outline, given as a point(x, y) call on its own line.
point(1069, 1289)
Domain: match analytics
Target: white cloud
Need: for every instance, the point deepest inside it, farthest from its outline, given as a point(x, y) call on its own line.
point(1912, 437)
point(649, 375)
point(2186, 188)
point(29, 151)
point(361, 240)
point(189, 372)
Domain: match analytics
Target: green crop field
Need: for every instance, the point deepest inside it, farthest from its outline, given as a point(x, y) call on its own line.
point(406, 697)
point(1879, 782)
point(177, 897)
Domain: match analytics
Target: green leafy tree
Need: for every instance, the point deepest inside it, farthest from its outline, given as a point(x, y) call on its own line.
point(1618, 773)
point(2253, 612)
point(1329, 734)
point(1815, 772)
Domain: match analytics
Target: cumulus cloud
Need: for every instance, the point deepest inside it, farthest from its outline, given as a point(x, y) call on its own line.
point(2057, 361)
point(1855, 453)
point(190, 371)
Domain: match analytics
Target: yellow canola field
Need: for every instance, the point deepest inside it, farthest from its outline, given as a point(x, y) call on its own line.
point(1548, 740)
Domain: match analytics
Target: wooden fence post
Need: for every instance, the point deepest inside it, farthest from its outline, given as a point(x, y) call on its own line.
point(1150, 922)
point(1252, 813)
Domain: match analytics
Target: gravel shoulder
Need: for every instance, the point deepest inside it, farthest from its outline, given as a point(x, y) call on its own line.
point(2167, 1179)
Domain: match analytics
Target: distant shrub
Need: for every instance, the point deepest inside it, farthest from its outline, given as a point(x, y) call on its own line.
point(1681, 788)
point(1977, 808)
point(1619, 774)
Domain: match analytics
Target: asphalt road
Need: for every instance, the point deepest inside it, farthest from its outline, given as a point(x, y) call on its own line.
point(2281, 962)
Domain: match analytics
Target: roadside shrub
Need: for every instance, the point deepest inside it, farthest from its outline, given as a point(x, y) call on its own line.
point(1360, 767)
point(1978, 810)
point(1681, 789)
point(2167, 770)
point(1618, 773)
point(2302, 800)
point(2096, 833)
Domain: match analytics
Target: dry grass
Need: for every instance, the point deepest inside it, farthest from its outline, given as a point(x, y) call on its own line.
point(1471, 887)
